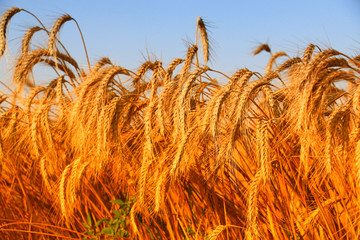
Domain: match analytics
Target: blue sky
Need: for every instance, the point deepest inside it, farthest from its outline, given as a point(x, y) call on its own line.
point(124, 31)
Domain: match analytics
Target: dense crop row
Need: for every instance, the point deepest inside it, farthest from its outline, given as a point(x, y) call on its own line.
point(273, 155)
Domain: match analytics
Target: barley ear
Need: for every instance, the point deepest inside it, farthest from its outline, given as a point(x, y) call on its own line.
point(3, 25)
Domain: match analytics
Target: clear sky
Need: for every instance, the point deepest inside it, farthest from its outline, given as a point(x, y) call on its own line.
point(125, 30)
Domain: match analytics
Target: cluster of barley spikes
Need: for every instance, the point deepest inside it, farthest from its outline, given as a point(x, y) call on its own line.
point(265, 156)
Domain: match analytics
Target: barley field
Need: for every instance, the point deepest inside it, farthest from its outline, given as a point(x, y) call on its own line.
point(167, 152)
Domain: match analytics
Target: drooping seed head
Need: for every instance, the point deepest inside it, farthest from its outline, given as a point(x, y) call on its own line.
point(3, 26)
point(56, 28)
point(27, 38)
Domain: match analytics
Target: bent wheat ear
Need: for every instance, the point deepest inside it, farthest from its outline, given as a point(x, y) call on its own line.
point(308, 53)
point(288, 63)
point(55, 30)
point(25, 64)
point(171, 68)
point(103, 61)
point(141, 72)
point(273, 59)
point(3, 25)
point(187, 64)
point(27, 38)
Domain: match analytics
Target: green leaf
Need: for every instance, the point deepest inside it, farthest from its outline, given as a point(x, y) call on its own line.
point(90, 219)
point(117, 201)
point(116, 228)
point(100, 221)
point(107, 231)
point(86, 225)
point(117, 213)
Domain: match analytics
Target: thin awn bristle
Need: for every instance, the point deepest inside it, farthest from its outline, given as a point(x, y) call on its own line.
point(308, 53)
